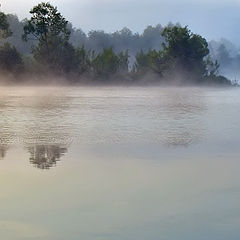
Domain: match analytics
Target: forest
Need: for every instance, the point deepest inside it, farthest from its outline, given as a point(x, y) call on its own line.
point(47, 48)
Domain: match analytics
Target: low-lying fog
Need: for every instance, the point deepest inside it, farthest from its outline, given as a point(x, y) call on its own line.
point(119, 163)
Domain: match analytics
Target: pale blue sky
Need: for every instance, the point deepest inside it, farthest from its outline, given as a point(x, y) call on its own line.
point(211, 18)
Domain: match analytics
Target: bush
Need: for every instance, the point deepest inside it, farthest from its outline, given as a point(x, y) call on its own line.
point(10, 59)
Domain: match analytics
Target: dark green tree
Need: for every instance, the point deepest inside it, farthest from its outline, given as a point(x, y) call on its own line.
point(4, 26)
point(50, 28)
point(46, 22)
point(184, 57)
point(59, 56)
point(84, 60)
point(108, 63)
point(187, 50)
point(10, 59)
point(155, 62)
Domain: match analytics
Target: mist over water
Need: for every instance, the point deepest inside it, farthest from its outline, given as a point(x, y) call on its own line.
point(168, 116)
point(119, 163)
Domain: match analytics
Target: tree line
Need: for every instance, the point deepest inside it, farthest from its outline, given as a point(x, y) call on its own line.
point(50, 46)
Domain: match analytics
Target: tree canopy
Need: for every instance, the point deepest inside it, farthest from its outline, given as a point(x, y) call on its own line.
point(50, 45)
point(187, 50)
point(50, 28)
point(46, 22)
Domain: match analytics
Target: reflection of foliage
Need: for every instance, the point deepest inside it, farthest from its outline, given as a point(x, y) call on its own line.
point(3, 151)
point(45, 157)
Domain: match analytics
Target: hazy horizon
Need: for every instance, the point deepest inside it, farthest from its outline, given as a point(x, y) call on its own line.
point(110, 16)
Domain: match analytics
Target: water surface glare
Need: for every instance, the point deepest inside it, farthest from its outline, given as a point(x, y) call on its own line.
point(119, 163)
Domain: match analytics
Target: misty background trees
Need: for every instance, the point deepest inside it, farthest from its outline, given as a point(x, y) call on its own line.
point(48, 43)
point(10, 58)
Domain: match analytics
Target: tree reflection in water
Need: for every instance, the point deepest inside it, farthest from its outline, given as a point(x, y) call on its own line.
point(3, 151)
point(46, 156)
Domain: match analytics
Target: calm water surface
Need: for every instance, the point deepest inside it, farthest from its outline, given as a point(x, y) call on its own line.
point(115, 163)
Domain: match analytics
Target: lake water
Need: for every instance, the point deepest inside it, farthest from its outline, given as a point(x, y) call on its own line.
point(116, 163)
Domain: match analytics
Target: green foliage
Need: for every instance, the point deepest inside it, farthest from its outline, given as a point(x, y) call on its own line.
point(49, 27)
point(123, 62)
point(83, 59)
point(141, 63)
point(59, 56)
point(181, 43)
point(108, 63)
point(184, 57)
point(156, 62)
point(4, 26)
point(188, 51)
point(10, 59)
point(46, 22)
point(169, 53)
